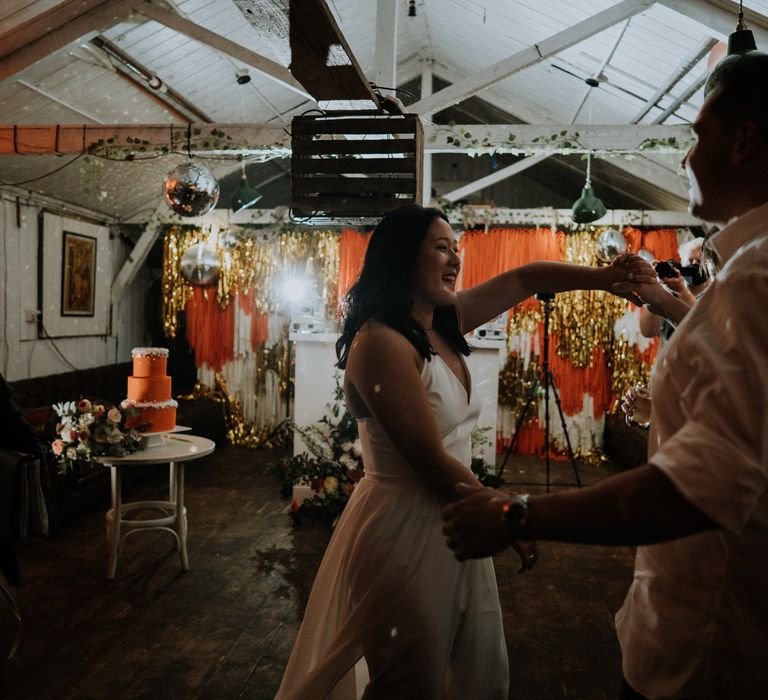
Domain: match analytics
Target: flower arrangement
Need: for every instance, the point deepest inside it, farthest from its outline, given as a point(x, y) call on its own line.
point(86, 430)
point(331, 468)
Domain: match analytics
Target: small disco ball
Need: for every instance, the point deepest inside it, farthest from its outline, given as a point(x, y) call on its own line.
point(610, 243)
point(646, 255)
point(229, 240)
point(200, 265)
point(191, 190)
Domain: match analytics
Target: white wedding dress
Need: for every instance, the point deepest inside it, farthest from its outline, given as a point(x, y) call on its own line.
point(390, 602)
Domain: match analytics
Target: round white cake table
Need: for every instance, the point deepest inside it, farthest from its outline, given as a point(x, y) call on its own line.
point(174, 450)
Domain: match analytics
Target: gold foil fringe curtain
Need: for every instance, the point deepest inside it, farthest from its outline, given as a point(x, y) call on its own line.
point(583, 322)
point(254, 264)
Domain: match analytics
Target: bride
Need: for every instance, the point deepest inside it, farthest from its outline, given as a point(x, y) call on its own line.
point(392, 614)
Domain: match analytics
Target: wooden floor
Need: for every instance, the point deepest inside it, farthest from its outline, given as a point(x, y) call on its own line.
point(225, 628)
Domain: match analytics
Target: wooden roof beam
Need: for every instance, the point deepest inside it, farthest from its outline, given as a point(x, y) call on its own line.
point(98, 19)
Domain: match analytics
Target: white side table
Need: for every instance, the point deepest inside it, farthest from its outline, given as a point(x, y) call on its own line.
point(175, 450)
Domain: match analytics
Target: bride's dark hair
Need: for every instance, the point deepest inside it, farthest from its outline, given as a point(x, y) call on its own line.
point(384, 288)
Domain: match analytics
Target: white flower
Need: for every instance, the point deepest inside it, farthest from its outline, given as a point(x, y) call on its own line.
point(71, 453)
point(346, 446)
point(348, 461)
point(114, 437)
point(357, 448)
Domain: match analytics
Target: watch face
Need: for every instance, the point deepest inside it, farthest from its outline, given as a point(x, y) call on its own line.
point(516, 511)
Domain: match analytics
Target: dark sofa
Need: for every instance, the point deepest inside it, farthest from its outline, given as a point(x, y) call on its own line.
point(35, 397)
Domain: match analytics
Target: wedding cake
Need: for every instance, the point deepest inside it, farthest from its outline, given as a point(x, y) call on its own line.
point(149, 392)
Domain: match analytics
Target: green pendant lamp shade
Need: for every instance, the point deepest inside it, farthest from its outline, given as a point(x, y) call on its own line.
point(245, 196)
point(588, 207)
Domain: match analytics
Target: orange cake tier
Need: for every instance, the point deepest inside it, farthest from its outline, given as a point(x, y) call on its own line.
point(151, 408)
point(149, 389)
point(150, 362)
point(151, 417)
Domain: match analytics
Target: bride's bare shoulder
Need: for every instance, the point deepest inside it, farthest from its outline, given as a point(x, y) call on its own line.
point(377, 339)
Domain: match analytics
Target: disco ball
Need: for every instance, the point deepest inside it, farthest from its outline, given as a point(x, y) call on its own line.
point(229, 240)
point(191, 190)
point(610, 243)
point(200, 265)
point(646, 255)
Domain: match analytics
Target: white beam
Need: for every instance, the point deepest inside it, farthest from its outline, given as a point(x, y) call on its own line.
point(473, 84)
point(475, 139)
point(493, 178)
point(676, 76)
point(264, 65)
point(682, 97)
point(97, 20)
point(658, 175)
point(426, 170)
point(60, 101)
point(385, 45)
point(527, 113)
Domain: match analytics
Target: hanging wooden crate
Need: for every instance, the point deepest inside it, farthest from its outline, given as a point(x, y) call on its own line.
point(355, 166)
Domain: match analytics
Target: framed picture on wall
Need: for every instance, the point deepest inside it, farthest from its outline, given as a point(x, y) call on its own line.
point(78, 274)
point(75, 277)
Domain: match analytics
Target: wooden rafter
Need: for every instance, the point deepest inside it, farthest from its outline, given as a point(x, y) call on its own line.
point(98, 19)
point(321, 58)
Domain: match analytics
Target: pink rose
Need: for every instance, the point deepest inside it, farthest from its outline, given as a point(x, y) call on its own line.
point(58, 447)
point(83, 406)
point(114, 416)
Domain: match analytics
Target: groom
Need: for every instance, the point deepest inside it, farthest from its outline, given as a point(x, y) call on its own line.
point(695, 620)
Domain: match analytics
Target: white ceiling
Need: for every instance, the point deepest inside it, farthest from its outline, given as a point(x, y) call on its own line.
point(52, 74)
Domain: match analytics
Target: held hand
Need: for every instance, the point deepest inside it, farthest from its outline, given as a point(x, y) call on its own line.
point(528, 553)
point(643, 291)
point(636, 405)
point(474, 525)
point(633, 271)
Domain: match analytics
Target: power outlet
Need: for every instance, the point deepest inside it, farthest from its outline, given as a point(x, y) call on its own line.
point(30, 316)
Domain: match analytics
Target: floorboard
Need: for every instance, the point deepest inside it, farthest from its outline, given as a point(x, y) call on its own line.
point(225, 628)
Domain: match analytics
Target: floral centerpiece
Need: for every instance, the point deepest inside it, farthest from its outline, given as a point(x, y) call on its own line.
point(331, 468)
point(86, 430)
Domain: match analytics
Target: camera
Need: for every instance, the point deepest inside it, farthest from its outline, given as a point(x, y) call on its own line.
point(694, 274)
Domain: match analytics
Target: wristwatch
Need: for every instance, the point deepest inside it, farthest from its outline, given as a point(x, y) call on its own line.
point(515, 513)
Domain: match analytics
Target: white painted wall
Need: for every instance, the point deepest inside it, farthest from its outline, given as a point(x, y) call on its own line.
point(22, 353)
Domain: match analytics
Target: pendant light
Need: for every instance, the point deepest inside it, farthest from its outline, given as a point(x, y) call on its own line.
point(740, 42)
point(588, 207)
point(741, 39)
point(245, 196)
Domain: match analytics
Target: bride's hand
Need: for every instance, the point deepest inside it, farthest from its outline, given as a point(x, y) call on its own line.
point(528, 553)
